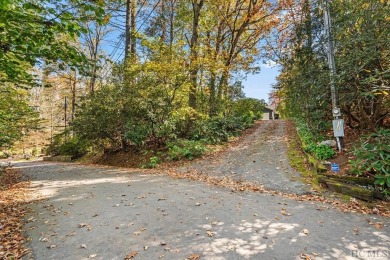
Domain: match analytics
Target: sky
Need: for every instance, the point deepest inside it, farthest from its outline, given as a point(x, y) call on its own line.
point(260, 84)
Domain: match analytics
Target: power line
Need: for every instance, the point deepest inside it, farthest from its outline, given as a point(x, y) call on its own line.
point(122, 38)
point(154, 8)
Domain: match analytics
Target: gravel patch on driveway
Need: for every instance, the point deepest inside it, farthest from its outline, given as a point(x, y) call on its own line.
point(260, 158)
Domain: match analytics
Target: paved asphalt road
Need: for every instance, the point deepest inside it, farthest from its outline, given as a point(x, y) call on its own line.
point(92, 212)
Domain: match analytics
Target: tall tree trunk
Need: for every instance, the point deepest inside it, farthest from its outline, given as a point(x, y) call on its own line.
point(194, 67)
point(128, 29)
point(212, 100)
point(171, 23)
point(73, 101)
point(222, 87)
point(130, 44)
point(133, 49)
point(163, 23)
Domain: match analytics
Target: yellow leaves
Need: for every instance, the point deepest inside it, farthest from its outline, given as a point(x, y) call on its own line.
point(365, 5)
point(106, 18)
point(358, 23)
point(383, 92)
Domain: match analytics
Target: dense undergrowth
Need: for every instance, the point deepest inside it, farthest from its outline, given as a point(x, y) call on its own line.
point(175, 138)
point(372, 157)
point(310, 142)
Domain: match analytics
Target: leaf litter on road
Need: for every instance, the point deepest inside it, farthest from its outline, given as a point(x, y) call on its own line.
point(13, 197)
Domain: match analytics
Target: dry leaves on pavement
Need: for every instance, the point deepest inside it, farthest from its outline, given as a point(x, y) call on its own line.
point(13, 195)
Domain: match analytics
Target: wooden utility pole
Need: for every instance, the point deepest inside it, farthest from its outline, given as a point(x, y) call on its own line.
point(65, 119)
point(196, 7)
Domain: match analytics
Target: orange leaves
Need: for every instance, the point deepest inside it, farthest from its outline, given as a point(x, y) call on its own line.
point(11, 215)
point(131, 255)
point(193, 257)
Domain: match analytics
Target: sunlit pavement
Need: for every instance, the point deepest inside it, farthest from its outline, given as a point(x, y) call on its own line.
point(108, 213)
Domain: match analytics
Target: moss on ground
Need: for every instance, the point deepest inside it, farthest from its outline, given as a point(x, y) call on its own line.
point(298, 159)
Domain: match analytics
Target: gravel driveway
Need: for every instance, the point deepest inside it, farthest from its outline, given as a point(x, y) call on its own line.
point(260, 157)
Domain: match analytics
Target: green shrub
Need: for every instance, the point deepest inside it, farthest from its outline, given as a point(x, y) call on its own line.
point(248, 107)
point(153, 162)
point(309, 143)
point(373, 157)
point(218, 129)
point(137, 133)
point(34, 152)
point(185, 149)
point(5, 154)
point(72, 146)
point(320, 152)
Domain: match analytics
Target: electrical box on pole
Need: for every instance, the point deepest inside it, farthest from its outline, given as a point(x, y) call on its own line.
point(338, 128)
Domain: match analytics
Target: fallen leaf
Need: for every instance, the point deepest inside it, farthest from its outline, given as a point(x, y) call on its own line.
point(83, 246)
point(43, 239)
point(209, 233)
point(284, 212)
point(305, 232)
point(52, 246)
point(83, 225)
point(378, 225)
point(305, 256)
point(131, 255)
point(194, 257)
point(231, 247)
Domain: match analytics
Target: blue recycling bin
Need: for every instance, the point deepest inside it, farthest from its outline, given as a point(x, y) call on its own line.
point(335, 167)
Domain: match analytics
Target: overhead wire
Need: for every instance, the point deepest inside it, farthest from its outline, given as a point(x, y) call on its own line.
point(122, 38)
point(143, 22)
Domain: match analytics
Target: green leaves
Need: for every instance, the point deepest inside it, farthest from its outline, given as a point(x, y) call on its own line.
point(182, 148)
point(32, 32)
point(15, 115)
point(309, 142)
point(373, 157)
